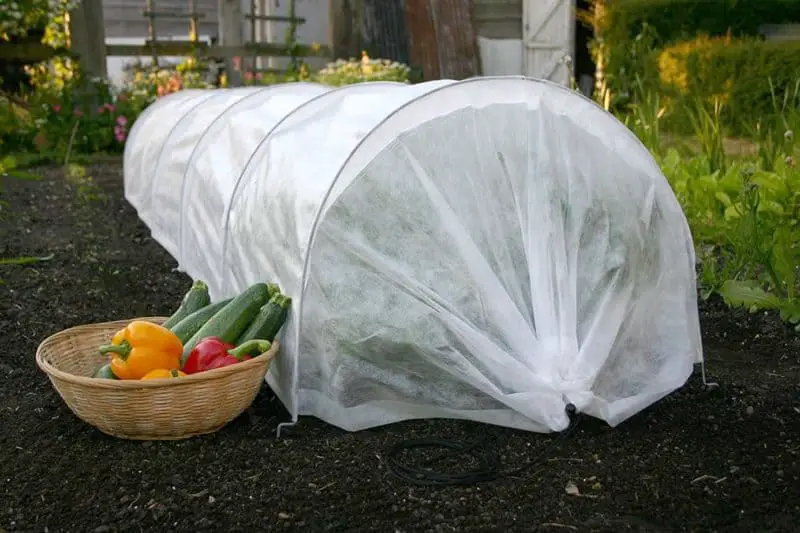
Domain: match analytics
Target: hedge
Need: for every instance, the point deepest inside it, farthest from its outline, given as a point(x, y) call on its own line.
point(632, 32)
point(744, 73)
point(677, 20)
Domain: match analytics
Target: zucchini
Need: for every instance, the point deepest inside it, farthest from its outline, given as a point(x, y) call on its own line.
point(230, 321)
point(268, 321)
point(274, 289)
point(189, 325)
point(104, 372)
point(195, 298)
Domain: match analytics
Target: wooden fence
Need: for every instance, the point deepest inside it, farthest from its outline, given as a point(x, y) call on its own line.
point(88, 46)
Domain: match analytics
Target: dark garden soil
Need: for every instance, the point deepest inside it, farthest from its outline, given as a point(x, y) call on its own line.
point(699, 460)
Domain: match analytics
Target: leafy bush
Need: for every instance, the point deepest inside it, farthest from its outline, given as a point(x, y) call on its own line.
point(631, 32)
point(15, 128)
point(70, 117)
point(18, 17)
point(747, 75)
point(60, 117)
point(676, 20)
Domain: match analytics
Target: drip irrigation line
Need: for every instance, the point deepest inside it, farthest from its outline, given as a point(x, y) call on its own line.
point(489, 467)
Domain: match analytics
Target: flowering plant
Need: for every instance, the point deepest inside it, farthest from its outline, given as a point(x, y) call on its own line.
point(344, 72)
point(17, 17)
point(93, 122)
point(146, 84)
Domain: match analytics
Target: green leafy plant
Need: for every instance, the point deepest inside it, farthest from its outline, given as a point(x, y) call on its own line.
point(645, 117)
point(18, 17)
point(86, 189)
point(757, 80)
point(708, 130)
point(16, 127)
point(774, 134)
point(662, 23)
point(746, 224)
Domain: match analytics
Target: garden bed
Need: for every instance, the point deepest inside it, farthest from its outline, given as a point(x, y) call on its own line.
point(721, 460)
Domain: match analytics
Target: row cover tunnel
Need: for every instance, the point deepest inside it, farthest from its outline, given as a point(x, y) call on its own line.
point(489, 249)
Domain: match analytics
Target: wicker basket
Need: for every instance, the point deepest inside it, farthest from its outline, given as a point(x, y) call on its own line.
point(146, 410)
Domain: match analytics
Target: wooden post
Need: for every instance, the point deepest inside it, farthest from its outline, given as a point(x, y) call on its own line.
point(346, 23)
point(152, 35)
point(193, 21)
point(87, 37)
point(254, 23)
point(291, 35)
point(231, 34)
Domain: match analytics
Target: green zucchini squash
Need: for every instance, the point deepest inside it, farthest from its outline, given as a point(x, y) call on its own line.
point(230, 321)
point(192, 323)
point(268, 321)
point(195, 298)
point(274, 289)
point(104, 372)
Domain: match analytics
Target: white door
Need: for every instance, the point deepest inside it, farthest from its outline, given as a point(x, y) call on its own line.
point(548, 38)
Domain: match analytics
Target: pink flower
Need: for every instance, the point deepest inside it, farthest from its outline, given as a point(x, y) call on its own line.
point(122, 120)
point(57, 108)
point(119, 134)
point(110, 107)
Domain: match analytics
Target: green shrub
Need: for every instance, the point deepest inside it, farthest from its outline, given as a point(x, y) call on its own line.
point(16, 127)
point(676, 20)
point(18, 17)
point(756, 81)
point(630, 32)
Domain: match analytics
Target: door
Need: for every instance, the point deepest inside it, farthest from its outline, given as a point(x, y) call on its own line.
point(548, 37)
point(442, 38)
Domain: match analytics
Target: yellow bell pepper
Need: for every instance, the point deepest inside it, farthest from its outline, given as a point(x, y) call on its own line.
point(163, 373)
point(143, 346)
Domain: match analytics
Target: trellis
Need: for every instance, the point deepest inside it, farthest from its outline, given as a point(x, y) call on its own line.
point(232, 43)
point(87, 36)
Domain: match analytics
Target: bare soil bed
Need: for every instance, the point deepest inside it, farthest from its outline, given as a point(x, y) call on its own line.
point(699, 460)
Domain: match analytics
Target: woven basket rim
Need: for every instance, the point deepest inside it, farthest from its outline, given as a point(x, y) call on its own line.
point(122, 384)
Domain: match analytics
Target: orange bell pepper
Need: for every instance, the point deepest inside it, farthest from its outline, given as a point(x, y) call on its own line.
point(143, 346)
point(163, 373)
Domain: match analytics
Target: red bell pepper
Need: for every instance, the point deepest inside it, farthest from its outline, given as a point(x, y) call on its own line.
point(213, 352)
